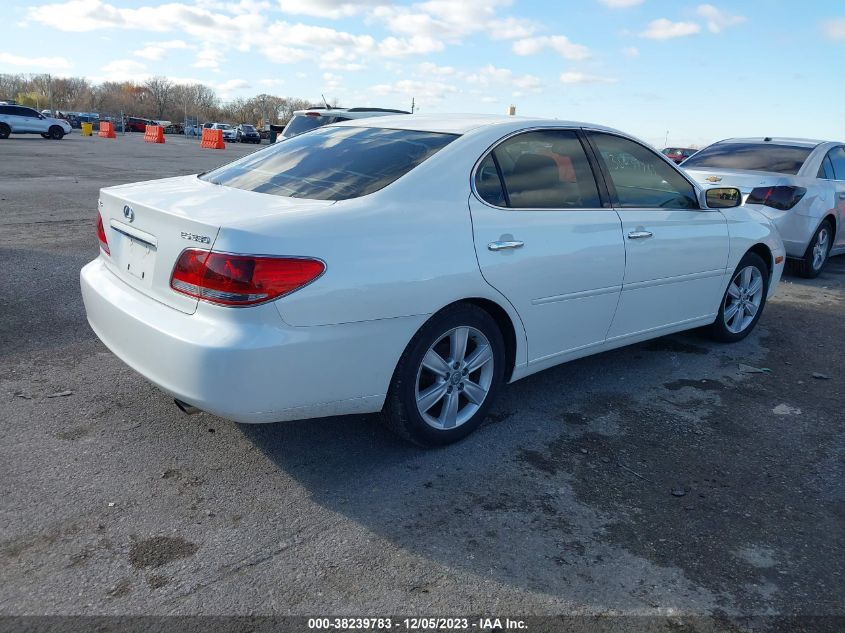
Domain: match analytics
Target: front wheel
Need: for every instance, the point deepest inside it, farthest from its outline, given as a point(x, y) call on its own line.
point(56, 133)
point(811, 265)
point(447, 377)
point(5, 130)
point(743, 301)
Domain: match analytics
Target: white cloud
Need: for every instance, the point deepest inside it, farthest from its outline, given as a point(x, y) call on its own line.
point(428, 92)
point(718, 20)
point(584, 78)
point(664, 29)
point(631, 52)
point(332, 9)
point(123, 70)
point(427, 68)
point(209, 58)
point(155, 51)
point(621, 4)
point(48, 63)
point(834, 29)
point(230, 86)
point(559, 43)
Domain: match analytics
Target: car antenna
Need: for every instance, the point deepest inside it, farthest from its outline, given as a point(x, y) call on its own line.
point(328, 107)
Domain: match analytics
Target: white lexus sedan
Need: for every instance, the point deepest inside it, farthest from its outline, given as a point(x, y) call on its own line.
point(414, 264)
point(799, 184)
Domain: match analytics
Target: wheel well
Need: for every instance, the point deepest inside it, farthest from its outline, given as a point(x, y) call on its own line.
point(763, 251)
point(505, 327)
point(829, 217)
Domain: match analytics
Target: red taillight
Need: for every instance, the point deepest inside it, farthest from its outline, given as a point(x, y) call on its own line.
point(238, 280)
point(782, 198)
point(101, 235)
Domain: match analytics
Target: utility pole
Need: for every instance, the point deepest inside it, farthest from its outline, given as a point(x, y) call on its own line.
point(413, 105)
point(666, 142)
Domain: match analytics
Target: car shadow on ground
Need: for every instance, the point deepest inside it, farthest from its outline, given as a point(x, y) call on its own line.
point(680, 491)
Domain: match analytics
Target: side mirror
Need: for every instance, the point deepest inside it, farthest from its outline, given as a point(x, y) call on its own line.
point(723, 198)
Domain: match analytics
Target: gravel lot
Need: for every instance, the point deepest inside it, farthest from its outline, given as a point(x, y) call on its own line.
point(657, 479)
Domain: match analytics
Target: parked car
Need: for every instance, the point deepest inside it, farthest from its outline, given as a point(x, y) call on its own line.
point(16, 119)
point(193, 130)
point(247, 133)
point(799, 184)
point(137, 124)
point(311, 119)
point(413, 265)
point(678, 154)
point(229, 133)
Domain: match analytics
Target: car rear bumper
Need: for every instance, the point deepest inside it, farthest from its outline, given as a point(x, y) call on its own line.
point(795, 230)
point(245, 364)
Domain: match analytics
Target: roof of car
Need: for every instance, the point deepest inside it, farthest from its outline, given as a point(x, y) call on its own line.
point(777, 140)
point(463, 123)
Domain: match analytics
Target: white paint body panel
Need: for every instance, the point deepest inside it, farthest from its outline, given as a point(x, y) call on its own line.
point(393, 259)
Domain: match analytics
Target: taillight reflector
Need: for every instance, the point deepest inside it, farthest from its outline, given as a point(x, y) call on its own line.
point(101, 235)
point(239, 280)
point(782, 197)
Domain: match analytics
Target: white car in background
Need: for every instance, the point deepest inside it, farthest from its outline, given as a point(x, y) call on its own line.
point(799, 184)
point(230, 134)
point(412, 265)
point(16, 119)
point(311, 119)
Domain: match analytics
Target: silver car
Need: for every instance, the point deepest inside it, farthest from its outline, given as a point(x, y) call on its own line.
point(17, 119)
point(798, 183)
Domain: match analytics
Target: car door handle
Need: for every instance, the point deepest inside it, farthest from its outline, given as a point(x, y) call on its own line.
point(639, 235)
point(504, 245)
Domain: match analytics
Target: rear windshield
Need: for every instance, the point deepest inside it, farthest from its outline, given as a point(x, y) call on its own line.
point(335, 163)
point(304, 123)
point(782, 159)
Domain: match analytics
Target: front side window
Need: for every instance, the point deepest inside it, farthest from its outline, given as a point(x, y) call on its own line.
point(781, 159)
point(837, 159)
point(641, 178)
point(545, 169)
point(332, 163)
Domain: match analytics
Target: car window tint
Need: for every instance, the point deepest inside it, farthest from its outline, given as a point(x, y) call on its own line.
point(334, 163)
point(304, 123)
point(826, 170)
point(488, 184)
point(641, 178)
point(4, 109)
point(837, 159)
point(547, 169)
point(782, 159)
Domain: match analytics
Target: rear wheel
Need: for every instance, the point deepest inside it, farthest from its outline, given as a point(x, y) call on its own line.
point(816, 256)
point(743, 301)
point(5, 130)
point(45, 135)
point(447, 377)
point(56, 133)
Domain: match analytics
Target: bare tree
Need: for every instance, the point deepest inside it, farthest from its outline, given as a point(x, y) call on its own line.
point(160, 90)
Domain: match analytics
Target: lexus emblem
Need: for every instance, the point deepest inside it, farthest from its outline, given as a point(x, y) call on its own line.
point(128, 213)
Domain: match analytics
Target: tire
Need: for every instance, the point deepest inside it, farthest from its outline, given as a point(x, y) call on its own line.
point(812, 264)
point(56, 133)
point(747, 290)
point(460, 326)
point(5, 130)
point(45, 135)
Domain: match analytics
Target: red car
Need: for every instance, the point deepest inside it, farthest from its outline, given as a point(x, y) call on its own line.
point(679, 154)
point(135, 124)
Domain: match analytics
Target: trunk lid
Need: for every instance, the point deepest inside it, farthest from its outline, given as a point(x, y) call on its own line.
point(745, 181)
point(149, 224)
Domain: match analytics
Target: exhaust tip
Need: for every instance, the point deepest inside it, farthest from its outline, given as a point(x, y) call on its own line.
point(186, 408)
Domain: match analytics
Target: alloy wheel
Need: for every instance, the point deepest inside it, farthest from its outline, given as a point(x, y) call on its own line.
point(743, 299)
point(820, 248)
point(454, 378)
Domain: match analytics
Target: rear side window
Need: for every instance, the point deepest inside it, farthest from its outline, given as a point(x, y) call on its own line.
point(826, 170)
point(5, 109)
point(837, 158)
point(540, 170)
point(782, 159)
point(332, 163)
point(641, 178)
